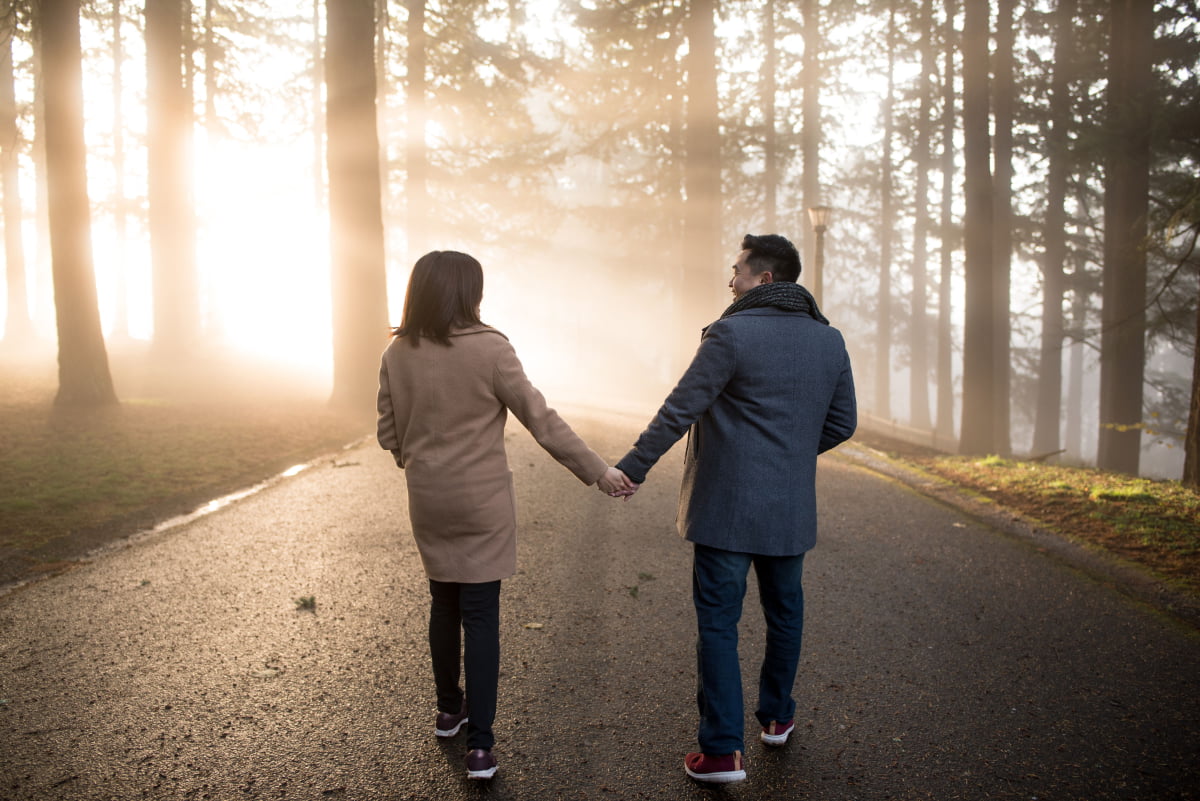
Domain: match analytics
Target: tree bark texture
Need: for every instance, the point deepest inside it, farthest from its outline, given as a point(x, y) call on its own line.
point(1002, 236)
point(945, 344)
point(83, 375)
point(979, 353)
point(1048, 419)
point(919, 328)
point(1126, 199)
point(171, 215)
point(355, 207)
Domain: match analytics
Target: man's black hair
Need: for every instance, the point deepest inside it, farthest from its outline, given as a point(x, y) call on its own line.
point(773, 253)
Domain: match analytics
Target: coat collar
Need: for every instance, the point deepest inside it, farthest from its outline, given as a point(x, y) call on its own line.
point(478, 328)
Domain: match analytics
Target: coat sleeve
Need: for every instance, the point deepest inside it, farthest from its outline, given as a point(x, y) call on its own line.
point(702, 382)
point(385, 430)
point(527, 404)
point(842, 418)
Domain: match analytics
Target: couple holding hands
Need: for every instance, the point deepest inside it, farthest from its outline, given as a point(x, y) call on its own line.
point(769, 388)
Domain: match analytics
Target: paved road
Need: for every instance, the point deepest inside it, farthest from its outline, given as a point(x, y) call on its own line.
point(943, 659)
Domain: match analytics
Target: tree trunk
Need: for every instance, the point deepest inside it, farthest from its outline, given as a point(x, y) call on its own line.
point(770, 140)
point(919, 340)
point(883, 317)
point(1126, 198)
point(214, 324)
point(979, 352)
point(120, 217)
point(810, 140)
point(1049, 400)
point(945, 343)
point(1002, 239)
point(381, 114)
point(318, 108)
point(211, 124)
point(83, 375)
point(1191, 443)
point(43, 296)
point(1073, 438)
point(416, 155)
point(358, 274)
point(18, 325)
point(188, 54)
point(702, 251)
point(171, 215)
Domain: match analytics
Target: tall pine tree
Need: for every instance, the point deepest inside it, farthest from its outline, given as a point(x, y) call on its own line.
point(83, 375)
point(1126, 203)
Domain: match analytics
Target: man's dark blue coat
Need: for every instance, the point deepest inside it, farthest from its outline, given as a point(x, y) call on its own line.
point(767, 391)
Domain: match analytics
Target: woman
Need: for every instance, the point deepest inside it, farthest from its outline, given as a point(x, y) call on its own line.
point(446, 385)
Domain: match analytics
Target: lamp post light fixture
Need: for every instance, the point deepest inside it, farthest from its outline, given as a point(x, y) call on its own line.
point(819, 217)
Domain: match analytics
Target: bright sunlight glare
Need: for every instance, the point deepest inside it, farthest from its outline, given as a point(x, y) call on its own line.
point(264, 252)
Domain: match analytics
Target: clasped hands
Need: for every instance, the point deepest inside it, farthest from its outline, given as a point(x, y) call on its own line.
point(615, 484)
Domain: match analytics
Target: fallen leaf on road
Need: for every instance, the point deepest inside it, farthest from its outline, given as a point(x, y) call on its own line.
point(532, 626)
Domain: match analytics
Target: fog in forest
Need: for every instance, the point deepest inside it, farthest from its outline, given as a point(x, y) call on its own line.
point(603, 161)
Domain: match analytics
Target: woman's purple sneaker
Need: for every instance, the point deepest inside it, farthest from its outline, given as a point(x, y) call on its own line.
point(448, 724)
point(480, 764)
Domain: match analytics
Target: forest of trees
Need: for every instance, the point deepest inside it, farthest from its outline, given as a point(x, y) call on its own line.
point(1015, 187)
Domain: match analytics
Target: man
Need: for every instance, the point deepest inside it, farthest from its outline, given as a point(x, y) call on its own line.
point(769, 388)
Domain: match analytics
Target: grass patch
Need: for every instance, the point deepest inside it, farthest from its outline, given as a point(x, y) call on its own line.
point(993, 461)
point(1122, 494)
point(1153, 523)
point(67, 471)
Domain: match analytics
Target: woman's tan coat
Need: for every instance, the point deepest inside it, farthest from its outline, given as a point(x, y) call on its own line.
point(442, 411)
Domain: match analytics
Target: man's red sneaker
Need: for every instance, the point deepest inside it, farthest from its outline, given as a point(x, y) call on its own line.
point(715, 769)
point(776, 733)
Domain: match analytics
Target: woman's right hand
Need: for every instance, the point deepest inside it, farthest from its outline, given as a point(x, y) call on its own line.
point(616, 484)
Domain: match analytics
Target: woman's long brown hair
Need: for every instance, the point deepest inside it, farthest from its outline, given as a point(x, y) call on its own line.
point(444, 292)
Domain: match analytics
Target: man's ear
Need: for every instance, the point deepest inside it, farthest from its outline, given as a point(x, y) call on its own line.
point(765, 277)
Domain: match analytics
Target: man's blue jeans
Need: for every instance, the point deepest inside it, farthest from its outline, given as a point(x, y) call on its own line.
point(718, 589)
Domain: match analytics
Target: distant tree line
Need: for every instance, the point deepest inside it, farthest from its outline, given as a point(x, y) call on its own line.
point(1015, 182)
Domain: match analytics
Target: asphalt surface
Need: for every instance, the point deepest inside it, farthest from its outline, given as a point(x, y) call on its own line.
point(944, 658)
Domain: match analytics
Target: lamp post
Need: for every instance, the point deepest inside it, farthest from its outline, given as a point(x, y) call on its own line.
point(819, 217)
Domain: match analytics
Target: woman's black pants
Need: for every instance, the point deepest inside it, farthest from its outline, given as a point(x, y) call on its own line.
point(466, 615)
